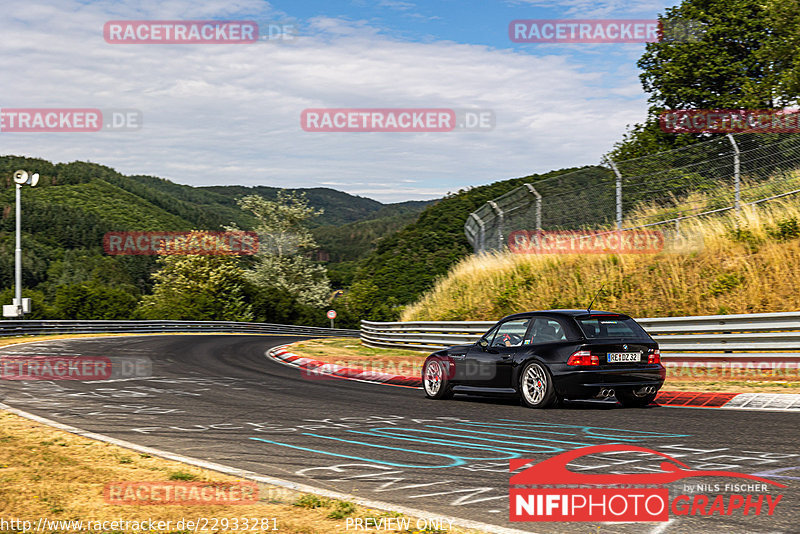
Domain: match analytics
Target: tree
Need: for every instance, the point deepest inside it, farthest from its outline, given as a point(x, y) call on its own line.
point(284, 241)
point(783, 46)
point(735, 60)
point(90, 300)
point(197, 287)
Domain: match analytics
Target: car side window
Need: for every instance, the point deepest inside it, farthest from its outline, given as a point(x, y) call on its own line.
point(511, 333)
point(546, 330)
point(489, 336)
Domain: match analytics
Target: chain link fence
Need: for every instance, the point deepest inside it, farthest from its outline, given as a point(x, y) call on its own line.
point(718, 175)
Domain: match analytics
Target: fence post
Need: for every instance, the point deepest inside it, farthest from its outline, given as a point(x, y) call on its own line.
point(736, 173)
point(619, 192)
point(480, 240)
point(538, 215)
point(499, 212)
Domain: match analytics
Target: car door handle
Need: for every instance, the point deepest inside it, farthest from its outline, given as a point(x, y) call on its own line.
point(505, 357)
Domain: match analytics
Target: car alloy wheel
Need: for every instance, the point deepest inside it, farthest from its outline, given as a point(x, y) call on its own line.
point(536, 386)
point(433, 378)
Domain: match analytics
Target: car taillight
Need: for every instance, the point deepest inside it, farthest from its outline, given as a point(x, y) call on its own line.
point(583, 357)
point(654, 357)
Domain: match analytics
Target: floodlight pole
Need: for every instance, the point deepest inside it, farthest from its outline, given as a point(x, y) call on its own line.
point(18, 255)
point(19, 307)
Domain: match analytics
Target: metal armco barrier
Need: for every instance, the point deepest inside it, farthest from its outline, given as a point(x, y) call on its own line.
point(758, 337)
point(38, 327)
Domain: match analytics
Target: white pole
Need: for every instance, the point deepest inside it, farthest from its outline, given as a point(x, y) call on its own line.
point(618, 191)
point(18, 257)
point(736, 174)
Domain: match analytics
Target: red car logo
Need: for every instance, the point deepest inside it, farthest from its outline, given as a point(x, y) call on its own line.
point(554, 470)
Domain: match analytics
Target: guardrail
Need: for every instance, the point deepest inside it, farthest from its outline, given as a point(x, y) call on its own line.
point(37, 327)
point(758, 337)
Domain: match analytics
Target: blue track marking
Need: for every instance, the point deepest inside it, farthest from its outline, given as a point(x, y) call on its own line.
point(493, 440)
point(456, 460)
point(442, 436)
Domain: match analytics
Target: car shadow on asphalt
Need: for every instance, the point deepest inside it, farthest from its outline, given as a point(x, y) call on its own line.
point(582, 404)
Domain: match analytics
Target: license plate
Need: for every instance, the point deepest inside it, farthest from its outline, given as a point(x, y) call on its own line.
point(622, 357)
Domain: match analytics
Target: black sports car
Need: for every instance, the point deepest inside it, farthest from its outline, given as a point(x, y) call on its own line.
point(546, 356)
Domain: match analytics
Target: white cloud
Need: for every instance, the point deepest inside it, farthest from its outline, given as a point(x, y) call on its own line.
point(230, 114)
point(600, 8)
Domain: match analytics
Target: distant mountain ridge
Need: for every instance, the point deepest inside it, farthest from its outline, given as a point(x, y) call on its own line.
point(206, 207)
point(76, 203)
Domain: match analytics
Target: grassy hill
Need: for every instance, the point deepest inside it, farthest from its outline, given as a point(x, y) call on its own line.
point(746, 264)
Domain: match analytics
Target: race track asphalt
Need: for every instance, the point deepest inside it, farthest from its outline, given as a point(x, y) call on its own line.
point(219, 398)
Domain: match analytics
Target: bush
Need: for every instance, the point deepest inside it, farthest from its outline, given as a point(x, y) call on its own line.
point(785, 229)
point(91, 300)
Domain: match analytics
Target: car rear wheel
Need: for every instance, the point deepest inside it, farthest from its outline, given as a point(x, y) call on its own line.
point(629, 399)
point(536, 386)
point(434, 380)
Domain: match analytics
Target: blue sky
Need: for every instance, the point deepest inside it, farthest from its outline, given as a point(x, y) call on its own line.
point(230, 114)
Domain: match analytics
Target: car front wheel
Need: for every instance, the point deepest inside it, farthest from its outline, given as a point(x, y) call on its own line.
point(536, 386)
point(434, 380)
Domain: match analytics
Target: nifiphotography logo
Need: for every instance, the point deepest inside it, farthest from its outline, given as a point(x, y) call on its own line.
point(549, 491)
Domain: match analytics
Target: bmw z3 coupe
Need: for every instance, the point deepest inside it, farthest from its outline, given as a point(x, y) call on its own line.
point(546, 356)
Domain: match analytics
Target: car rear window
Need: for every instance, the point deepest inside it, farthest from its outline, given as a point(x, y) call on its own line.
point(603, 326)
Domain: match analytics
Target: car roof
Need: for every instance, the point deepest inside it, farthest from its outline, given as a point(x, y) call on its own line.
point(567, 313)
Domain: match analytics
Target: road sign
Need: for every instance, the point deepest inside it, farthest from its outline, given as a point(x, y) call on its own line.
point(331, 314)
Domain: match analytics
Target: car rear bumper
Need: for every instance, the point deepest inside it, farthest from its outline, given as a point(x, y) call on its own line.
point(584, 383)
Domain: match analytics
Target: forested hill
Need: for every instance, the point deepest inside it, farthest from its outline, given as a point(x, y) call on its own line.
point(201, 207)
point(75, 204)
point(406, 263)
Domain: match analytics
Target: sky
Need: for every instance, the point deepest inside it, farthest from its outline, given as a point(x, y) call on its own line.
point(218, 114)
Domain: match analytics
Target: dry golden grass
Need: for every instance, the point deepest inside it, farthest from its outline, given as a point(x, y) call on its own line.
point(746, 264)
point(45, 472)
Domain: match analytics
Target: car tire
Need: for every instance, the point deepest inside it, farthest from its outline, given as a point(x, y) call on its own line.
point(629, 399)
point(434, 380)
point(536, 388)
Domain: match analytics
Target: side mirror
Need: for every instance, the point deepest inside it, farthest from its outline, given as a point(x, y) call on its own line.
point(483, 343)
